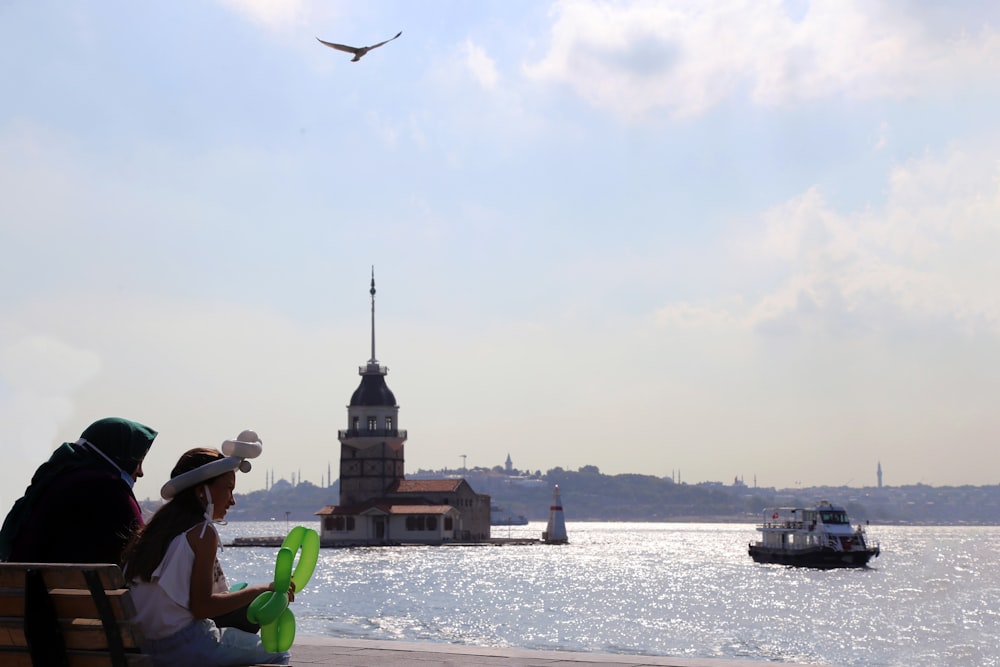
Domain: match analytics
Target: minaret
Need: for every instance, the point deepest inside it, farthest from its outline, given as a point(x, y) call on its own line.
point(878, 473)
point(371, 448)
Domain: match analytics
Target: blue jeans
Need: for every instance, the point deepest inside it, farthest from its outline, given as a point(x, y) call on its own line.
point(205, 645)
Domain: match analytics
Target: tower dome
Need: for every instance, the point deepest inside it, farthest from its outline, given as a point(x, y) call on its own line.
point(373, 391)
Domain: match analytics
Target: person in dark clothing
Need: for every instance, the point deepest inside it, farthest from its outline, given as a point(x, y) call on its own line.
point(79, 507)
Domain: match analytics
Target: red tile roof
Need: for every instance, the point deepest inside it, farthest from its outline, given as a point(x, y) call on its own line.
point(420, 509)
point(428, 485)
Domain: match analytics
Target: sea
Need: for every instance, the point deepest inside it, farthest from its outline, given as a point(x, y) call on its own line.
point(673, 589)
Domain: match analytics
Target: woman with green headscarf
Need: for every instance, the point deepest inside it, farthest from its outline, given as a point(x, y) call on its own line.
point(79, 507)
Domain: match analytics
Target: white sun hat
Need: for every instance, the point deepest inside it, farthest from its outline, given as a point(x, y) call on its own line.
point(246, 445)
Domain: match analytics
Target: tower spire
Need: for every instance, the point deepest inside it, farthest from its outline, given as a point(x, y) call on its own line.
point(373, 360)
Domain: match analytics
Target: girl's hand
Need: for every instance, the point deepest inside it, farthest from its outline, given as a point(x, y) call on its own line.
point(291, 590)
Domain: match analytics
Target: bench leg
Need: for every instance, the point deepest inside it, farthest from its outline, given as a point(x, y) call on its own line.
point(41, 625)
point(115, 647)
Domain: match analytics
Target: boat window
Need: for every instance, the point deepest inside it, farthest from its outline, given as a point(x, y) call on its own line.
point(834, 517)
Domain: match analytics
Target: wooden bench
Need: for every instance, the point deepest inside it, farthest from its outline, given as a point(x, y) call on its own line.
point(67, 615)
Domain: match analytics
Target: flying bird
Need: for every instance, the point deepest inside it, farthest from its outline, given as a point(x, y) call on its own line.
point(358, 51)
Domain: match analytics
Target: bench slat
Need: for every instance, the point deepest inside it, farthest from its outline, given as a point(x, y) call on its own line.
point(78, 660)
point(70, 603)
point(83, 634)
point(61, 575)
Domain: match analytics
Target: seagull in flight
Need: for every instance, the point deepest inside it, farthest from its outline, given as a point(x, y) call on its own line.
point(358, 51)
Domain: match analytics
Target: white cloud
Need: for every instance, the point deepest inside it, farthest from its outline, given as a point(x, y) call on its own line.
point(685, 57)
point(196, 371)
point(685, 315)
point(928, 256)
point(482, 67)
point(39, 376)
point(45, 365)
point(270, 13)
point(883, 137)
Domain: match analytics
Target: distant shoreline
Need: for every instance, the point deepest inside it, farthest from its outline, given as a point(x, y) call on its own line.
point(685, 519)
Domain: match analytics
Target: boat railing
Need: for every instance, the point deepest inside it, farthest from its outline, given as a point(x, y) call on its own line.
point(854, 542)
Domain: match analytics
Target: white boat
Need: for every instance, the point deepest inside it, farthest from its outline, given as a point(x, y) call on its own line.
point(820, 536)
point(501, 517)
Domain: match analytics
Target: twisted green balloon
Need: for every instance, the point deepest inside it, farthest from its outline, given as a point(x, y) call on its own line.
point(270, 609)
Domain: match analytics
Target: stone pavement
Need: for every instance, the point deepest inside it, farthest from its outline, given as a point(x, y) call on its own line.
point(365, 652)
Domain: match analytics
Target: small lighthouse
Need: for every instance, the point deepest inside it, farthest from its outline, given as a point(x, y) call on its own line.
point(555, 532)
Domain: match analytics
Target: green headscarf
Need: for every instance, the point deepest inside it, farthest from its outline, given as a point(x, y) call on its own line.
point(124, 442)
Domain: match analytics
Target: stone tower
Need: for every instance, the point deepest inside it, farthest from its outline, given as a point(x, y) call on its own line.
point(371, 448)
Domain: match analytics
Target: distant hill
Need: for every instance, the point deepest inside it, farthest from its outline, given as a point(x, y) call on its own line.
point(282, 501)
point(589, 495)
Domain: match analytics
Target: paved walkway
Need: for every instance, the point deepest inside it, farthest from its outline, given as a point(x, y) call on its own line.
point(364, 652)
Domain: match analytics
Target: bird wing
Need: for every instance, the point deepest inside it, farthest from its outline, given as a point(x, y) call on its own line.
point(375, 46)
point(340, 47)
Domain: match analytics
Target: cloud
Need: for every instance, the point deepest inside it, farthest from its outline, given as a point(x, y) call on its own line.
point(273, 14)
point(198, 371)
point(883, 137)
point(39, 376)
point(46, 365)
point(686, 57)
point(482, 67)
point(927, 257)
point(685, 315)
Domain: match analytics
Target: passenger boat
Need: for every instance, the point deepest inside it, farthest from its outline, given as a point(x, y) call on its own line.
point(501, 517)
point(820, 536)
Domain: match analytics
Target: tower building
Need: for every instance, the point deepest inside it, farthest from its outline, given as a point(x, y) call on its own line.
point(377, 504)
point(371, 448)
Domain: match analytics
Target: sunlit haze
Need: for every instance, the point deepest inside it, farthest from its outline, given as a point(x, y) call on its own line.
point(707, 240)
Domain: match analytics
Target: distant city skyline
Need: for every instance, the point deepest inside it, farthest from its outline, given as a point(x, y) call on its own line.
point(735, 239)
point(328, 479)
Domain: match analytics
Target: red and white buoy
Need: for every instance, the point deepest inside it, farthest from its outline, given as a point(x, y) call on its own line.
point(555, 532)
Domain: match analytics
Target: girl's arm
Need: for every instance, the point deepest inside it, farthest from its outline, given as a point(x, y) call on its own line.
point(203, 602)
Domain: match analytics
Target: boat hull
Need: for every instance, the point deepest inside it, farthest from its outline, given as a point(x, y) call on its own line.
point(821, 557)
point(510, 521)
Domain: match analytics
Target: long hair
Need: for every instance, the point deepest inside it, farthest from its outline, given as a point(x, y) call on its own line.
point(148, 545)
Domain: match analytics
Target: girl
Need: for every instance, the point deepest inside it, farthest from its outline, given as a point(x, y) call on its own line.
point(177, 583)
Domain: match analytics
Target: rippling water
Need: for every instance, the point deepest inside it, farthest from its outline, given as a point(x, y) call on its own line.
point(690, 590)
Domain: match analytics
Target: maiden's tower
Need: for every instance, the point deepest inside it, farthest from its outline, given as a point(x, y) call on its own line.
point(378, 505)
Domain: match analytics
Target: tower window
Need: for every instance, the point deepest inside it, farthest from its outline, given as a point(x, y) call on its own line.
point(372, 423)
point(356, 424)
point(388, 423)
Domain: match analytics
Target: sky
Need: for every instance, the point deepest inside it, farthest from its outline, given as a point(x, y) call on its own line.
point(751, 239)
